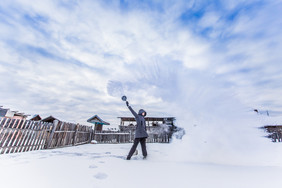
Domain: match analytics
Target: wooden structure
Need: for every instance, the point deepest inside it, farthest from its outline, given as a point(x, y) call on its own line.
point(98, 122)
point(36, 118)
point(24, 135)
point(274, 132)
point(7, 113)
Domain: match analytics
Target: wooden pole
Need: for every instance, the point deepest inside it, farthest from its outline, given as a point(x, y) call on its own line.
point(75, 134)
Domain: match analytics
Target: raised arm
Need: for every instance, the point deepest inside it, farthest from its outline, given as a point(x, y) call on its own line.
point(131, 110)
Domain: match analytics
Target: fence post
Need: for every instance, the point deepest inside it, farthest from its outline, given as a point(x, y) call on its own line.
point(75, 135)
point(91, 134)
point(55, 123)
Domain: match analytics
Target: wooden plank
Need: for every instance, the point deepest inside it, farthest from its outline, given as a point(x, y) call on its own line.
point(78, 135)
point(75, 135)
point(77, 139)
point(89, 134)
point(69, 137)
point(48, 135)
point(72, 135)
point(2, 122)
point(57, 137)
point(60, 135)
point(55, 140)
point(64, 136)
point(64, 140)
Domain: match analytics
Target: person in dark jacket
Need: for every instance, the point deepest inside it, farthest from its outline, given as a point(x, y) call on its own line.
point(140, 133)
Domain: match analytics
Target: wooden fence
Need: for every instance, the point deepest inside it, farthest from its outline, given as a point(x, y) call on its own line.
point(69, 134)
point(274, 132)
point(25, 135)
point(112, 137)
point(128, 137)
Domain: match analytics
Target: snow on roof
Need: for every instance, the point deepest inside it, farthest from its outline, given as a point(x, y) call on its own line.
point(36, 117)
point(96, 119)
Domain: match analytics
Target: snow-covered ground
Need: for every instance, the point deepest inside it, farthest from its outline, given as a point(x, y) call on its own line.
point(103, 166)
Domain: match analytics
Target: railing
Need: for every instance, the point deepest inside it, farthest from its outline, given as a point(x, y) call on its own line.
point(25, 135)
point(112, 137)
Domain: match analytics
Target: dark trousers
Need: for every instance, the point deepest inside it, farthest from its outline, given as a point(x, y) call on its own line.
point(135, 144)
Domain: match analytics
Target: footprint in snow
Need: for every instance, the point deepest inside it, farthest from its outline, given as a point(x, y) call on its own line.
point(137, 158)
point(100, 176)
point(93, 166)
point(101, 162)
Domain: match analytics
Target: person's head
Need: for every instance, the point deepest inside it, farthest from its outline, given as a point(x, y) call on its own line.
point(142, 112)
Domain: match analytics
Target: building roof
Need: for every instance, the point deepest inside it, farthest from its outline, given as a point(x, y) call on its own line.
point(4, 111)
point(97, 120)
point(149, 118)
point(21, 114)
point(49, 119)
point(36, 117)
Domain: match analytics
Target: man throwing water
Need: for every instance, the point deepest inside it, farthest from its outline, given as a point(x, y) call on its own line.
point(140, 132)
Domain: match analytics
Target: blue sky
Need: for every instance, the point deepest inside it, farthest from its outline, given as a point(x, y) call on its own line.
point(172, 58)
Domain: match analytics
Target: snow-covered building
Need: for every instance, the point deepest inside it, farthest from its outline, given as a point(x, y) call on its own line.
point(98, 122)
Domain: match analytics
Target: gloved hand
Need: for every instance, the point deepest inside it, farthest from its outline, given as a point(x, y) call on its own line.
point(127, 103)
